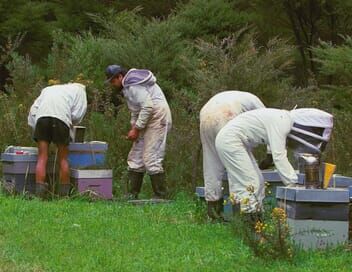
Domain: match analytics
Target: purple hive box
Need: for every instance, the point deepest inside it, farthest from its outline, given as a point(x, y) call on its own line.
point(98, 181)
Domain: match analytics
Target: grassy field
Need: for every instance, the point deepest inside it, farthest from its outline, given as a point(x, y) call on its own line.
point(78, 235)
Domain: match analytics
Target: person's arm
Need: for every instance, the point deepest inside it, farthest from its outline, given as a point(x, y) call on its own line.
point(79, 107)
point(134, 117)
point(33, 112)
point(144, 100)
point(277, 134)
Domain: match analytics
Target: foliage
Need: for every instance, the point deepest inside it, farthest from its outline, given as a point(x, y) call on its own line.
point(38, 19)
point(238, 62)
point(209, 19)
point(267, 236)
point(335, 61)
point(272, 237)
point(266, 230)
point(304, 22)
point(15, 103)
point(149, 8)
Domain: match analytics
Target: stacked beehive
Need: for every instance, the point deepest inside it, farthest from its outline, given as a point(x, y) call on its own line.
point(88, 172)
point(317, 218)
point(86, 160)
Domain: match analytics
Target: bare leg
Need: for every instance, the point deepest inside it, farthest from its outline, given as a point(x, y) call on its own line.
point(63, 162)
point(40, 170)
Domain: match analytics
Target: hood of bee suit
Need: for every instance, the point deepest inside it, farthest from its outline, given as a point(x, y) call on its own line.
point(312, 128)
point(138, 77)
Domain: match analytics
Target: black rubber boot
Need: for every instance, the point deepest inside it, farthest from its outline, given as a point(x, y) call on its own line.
point(215, 209)
point(64, 190)
point(251, 219)
point(158, 185)
point(41, 190)
point(136, 181)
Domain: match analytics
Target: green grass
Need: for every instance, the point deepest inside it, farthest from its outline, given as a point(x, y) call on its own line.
point(78, 235)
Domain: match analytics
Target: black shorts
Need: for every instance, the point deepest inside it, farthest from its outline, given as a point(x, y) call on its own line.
point(51, 129)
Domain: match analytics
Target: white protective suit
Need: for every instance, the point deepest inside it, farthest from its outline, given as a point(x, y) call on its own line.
point(66, 102)
point(150, 113)
point(263, 126)
point(214, 115)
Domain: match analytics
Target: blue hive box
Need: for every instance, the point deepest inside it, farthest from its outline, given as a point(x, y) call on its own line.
point(87, 154)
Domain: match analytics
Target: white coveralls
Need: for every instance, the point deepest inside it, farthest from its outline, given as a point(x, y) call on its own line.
point(214, 115)
point(66, 102)
point(234, 143)
point(150, 113)
point(271, 127)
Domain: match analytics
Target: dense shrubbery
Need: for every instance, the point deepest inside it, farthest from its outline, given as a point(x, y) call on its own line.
point(192, 61)
point(335, 61)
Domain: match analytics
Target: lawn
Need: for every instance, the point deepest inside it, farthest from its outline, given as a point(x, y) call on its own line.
point(78, 235)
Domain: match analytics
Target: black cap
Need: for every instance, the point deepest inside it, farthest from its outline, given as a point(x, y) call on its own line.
point(111, 71)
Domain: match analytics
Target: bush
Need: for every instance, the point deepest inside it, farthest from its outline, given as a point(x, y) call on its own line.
point(335, 61)
point(208, 19)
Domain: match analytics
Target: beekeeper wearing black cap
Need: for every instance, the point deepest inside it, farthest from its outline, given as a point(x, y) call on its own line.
point(150, 124)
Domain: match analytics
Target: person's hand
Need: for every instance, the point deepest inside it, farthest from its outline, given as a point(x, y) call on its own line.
point(267, 162)
point(133, 134)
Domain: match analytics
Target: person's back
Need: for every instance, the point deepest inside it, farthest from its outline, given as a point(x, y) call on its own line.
point(224, 106)
point(258, 126)
point(138, 87)
point(67, 102)
point(144, 78)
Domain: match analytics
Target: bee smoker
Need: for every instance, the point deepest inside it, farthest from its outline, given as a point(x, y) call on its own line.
point(311, 166)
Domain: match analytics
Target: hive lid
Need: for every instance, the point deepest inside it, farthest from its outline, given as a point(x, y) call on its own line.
point(273, 176)
point(19, 153)
point(93, 146)
point(91, 173)
point(300, 194)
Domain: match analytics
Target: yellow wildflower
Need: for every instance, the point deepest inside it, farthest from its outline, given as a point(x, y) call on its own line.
point(233, 198)
point(245, 201)
point(279, 213)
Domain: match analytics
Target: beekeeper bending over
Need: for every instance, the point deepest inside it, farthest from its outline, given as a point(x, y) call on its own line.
point(52, 116)
point(213, 116)
point(308, 128)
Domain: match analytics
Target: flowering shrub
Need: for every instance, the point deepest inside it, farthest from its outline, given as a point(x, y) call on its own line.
point(268, 235)
point(273, 236)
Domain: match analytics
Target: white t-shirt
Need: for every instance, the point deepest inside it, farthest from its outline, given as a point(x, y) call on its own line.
point(66, 102)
